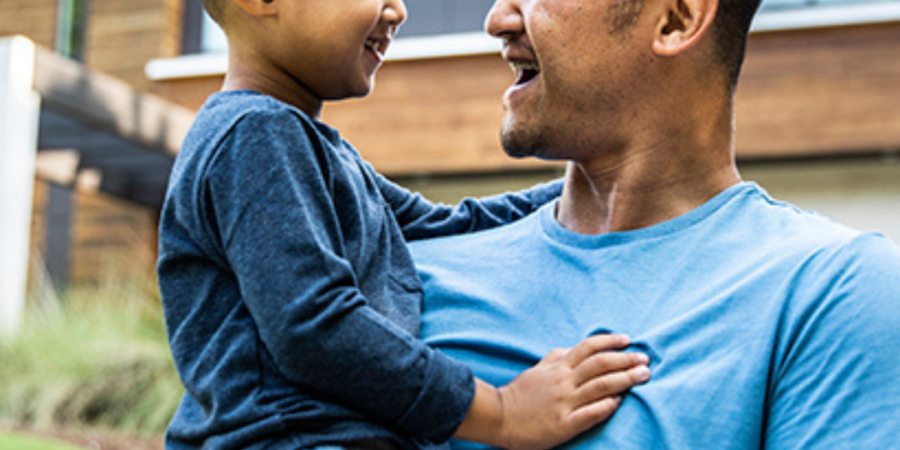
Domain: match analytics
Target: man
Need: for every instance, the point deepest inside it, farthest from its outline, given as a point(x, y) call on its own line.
point(768, 327)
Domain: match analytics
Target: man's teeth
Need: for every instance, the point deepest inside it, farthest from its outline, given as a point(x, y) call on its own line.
point(522, 65)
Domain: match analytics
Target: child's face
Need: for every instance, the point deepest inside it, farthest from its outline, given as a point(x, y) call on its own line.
point(333, 47)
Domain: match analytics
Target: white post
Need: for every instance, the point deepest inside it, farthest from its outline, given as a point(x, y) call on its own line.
point(19, 114)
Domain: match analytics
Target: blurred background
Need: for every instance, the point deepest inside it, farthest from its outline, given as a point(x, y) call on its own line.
point(95, 96)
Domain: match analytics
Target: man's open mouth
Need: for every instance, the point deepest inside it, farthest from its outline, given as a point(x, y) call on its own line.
point(525, 70)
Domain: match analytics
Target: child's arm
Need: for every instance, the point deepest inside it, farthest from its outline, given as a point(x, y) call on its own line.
point(271, 209)
point(281, 219)
point(420, 218)
point(561, 397)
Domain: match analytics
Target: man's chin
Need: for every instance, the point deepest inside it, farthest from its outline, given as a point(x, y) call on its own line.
point(519, 145)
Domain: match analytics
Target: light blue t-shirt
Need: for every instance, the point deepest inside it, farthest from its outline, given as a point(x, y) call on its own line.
point(768, 327)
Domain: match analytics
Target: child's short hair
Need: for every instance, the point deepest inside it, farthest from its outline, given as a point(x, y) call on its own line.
point(215, 9)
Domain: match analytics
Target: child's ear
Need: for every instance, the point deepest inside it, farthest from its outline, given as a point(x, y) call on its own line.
point(682, 25)
point(258, 7)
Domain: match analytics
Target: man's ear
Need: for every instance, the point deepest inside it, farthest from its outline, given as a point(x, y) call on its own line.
point(258, 7)
point(683, 24)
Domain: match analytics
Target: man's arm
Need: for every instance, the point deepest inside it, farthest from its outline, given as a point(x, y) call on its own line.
point(420, 218)
point(837, 383)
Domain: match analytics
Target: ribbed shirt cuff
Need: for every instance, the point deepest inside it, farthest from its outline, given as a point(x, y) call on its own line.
point(443, 403)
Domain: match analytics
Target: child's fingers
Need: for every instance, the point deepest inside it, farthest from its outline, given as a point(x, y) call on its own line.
point(593, 413)
point(611, 385)
point(608, 361)
point(595, 344)
point(555, 355)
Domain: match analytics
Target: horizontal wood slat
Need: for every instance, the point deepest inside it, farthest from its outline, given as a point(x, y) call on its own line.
point(819, 92)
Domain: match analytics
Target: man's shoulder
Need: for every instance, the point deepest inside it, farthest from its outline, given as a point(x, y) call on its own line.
point(819, 244)
point(872, 257)
point(788, 228)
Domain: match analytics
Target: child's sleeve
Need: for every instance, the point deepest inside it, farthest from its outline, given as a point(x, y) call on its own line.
point(420, 218)
point(270, 206)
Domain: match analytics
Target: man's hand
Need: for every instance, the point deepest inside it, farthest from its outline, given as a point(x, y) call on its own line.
point(564, 395)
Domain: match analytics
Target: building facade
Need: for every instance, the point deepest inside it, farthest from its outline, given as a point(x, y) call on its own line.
point(818, 111)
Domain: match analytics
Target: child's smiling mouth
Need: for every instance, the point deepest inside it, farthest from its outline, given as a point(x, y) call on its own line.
point(377, 45)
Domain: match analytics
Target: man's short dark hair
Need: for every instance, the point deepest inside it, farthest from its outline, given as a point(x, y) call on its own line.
point(730, 30)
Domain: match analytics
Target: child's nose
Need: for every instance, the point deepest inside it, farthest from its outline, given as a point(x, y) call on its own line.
point(395, 12)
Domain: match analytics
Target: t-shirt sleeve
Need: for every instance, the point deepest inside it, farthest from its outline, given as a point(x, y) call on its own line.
point(837, 383)
point(420, 218)
point(269, 201)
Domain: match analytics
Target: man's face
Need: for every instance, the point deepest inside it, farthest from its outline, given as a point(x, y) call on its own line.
point(576, 64)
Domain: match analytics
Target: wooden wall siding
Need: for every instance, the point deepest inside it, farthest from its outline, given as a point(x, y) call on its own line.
point(33, 18)
point(174, 25)
point(803, 93)
point(821, 92)
point(111, 239)
point(188, 92)
point(431, 116)
point(124, 35)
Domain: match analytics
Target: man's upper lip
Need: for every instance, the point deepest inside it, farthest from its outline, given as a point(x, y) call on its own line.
point(518, 52)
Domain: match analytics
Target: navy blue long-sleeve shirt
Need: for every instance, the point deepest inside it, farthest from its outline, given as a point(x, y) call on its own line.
point(290, 298)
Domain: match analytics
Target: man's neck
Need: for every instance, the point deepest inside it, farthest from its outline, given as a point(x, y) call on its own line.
point(640, 191)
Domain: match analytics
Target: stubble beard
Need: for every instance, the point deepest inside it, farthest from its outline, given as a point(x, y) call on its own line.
point(522, 142)
point(525, 140)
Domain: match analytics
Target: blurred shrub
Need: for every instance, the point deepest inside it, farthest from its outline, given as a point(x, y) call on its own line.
point(97, 360)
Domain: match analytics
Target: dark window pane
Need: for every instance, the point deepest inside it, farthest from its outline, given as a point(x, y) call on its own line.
point(773, 5)
point(469, 14)
point(435, 17)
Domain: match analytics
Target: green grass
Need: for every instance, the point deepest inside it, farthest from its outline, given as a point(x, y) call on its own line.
point(99, 361)
point(18, 442)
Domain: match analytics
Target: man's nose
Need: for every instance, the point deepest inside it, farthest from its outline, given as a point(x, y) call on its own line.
point(504, 19)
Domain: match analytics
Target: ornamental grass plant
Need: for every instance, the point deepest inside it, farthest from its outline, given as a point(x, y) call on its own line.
point(96, 358)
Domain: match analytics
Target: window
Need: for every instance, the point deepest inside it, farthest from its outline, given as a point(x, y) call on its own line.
point(426, 18)
point(212, 37)
point(449, 17)
point(775, 5)
point(201, 34)
point(441, 17)
point(798, 14)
